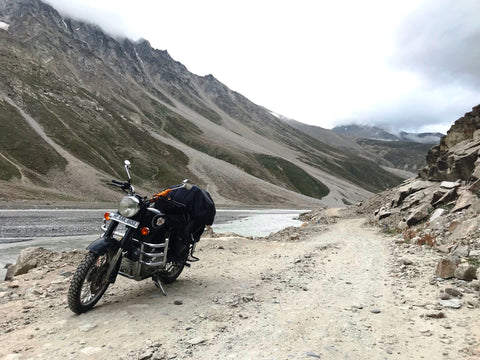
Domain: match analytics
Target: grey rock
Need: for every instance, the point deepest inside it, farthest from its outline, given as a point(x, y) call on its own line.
point(159, 355)
point(449, 184)
point(10, 272)
point(417, 215)
point(384, 213)
point(452, 303)
point(196, 341)
point(460, 250)
point(87, 327)
point(454, 292)
point(436, 214)
point(444, 296)
point(475, 284)
point(475, 253)
point(466, 272)
point(465, 228)
point(146, 355)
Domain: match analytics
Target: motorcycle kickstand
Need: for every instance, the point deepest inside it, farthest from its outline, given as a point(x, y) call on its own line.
point(158, 284)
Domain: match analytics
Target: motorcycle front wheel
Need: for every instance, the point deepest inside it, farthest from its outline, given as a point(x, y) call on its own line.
point(89, 283)
point(172, 271)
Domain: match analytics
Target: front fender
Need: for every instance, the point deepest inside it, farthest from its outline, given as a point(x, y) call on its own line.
point(102, 244)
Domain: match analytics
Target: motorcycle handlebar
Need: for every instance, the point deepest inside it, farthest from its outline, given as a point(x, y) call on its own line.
point(121, 184)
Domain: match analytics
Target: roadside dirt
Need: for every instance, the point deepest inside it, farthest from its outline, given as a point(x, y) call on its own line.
point(344, 293)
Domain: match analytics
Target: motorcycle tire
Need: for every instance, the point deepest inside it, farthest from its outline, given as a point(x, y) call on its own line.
point(89, 283)
point(173, 271)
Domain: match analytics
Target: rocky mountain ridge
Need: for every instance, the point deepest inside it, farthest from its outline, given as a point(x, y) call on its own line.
point(75, 102)
point(392, 153)
point(377, 133)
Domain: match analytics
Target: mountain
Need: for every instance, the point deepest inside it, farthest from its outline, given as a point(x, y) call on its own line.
point(399, 157)
point(377, 133)
point(75, 102)
point(364, 132)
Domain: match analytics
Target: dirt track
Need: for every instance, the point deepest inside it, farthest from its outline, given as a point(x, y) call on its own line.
point(338, 294)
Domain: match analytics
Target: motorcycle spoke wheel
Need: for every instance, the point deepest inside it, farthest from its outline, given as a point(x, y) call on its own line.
point(89, 283)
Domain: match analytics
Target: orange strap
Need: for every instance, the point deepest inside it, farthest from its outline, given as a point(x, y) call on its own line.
point(163, 194)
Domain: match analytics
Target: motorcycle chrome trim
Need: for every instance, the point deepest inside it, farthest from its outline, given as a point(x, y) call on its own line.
point(155, 211)
point(160, 259)
point(162, 256)
point(115, 233)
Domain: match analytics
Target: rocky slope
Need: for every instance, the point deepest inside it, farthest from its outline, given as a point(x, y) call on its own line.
point(75, 102)
point(440, 209)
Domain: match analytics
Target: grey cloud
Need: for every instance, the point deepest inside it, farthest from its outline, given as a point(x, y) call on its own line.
point(110, 21)
point(440, 41)
point(429, 108)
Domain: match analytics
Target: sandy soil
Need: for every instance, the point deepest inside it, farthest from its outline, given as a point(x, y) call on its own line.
point(344, 293)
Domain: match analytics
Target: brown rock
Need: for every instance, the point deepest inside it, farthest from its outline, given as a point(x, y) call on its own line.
point(446, 267)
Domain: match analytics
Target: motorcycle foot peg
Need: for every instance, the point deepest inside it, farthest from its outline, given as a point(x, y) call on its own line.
point(159, 285)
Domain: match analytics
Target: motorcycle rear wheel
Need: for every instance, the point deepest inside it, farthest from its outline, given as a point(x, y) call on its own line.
point(89, 283)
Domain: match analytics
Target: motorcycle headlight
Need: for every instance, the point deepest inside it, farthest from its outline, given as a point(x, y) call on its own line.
point(129, 206)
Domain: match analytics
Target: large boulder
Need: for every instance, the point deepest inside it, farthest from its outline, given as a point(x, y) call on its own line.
point(31, 258)
point(418, 214)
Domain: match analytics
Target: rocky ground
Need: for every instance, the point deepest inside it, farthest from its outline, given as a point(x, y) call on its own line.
point(336, 288)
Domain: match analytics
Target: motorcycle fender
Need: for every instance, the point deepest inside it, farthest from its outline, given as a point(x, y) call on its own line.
point(102, 244)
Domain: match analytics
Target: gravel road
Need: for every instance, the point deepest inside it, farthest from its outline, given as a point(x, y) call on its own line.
point(336, 294)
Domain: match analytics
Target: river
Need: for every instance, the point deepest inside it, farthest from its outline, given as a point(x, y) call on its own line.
point(68, 229)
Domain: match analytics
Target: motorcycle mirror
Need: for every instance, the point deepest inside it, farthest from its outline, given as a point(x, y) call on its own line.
point(127, 165)
point(186, 183)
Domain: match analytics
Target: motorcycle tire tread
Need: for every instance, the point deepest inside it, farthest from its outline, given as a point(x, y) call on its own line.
point(76, 285)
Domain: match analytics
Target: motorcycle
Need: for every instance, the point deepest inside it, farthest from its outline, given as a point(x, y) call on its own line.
point(145, 238)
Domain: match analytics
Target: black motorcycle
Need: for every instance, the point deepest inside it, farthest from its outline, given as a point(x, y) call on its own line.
point(147, 238)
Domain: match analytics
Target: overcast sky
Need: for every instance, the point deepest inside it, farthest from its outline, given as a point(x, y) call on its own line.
point(406, 64)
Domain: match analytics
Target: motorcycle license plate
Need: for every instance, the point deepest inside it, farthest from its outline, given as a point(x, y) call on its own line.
point(122, 219)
